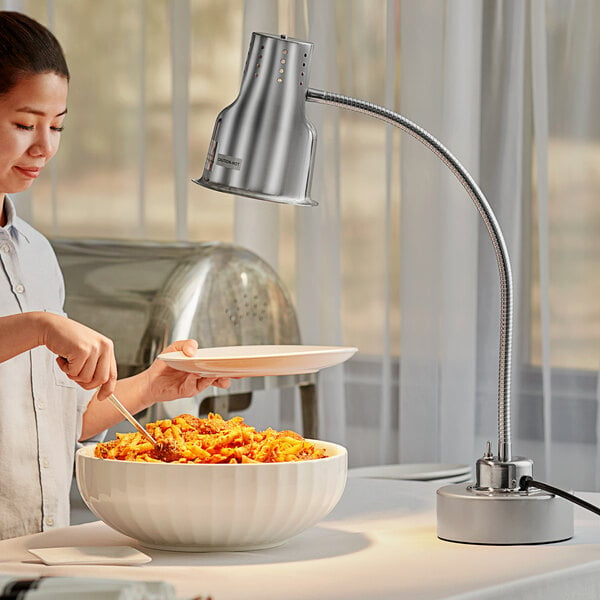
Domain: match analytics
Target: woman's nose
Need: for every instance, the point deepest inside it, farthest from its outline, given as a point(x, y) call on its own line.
point(44, 145)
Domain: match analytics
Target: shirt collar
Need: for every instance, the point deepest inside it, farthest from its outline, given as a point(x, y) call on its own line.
point(13, 223)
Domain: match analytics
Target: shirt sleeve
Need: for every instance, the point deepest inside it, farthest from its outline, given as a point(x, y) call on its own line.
point(83, 399)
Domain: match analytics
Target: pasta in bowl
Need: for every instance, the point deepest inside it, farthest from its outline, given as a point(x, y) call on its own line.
point(211, 484)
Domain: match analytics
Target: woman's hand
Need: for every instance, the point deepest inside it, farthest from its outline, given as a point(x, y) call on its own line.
point(84, 355)
point(165, 383)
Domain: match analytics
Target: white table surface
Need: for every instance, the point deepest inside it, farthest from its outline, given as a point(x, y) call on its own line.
point(378, 543)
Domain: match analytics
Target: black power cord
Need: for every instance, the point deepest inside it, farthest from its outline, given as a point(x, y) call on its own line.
point(527, 482)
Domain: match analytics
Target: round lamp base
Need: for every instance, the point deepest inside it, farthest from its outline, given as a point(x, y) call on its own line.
point(495, 517)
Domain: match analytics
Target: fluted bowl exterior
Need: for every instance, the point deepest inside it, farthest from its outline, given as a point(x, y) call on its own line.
point(205, 507)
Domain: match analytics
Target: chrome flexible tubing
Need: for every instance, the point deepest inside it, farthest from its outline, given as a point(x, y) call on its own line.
point(491, 224)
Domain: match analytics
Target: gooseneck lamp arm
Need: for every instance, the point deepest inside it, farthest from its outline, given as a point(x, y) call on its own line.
point(263, 147)
point(491, 224)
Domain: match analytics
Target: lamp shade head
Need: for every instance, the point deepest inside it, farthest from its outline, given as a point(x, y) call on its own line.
point(262, 145)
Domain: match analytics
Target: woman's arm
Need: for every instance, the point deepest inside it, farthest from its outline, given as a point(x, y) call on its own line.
point(19, 333)
point(158, 383)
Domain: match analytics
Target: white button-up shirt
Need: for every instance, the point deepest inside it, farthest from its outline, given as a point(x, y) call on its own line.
point(40, 408)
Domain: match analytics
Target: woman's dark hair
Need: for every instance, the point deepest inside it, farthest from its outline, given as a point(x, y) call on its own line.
point(27, 48)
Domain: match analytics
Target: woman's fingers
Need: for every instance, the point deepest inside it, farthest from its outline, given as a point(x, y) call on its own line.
point(223, 382)
point(104, 374)
point(188, 347)
point(106, 389)
point(84, 366)
point(204, 382)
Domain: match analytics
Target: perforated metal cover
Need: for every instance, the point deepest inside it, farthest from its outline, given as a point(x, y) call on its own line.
point(146, 295)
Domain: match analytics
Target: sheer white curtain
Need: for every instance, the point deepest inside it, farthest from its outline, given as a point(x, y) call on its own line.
point(485, 78)
point(394, 260)
point(535, 129)
point(441, 90)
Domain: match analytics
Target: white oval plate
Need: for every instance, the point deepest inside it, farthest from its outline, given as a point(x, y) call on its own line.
point(258, 361)
point(411, 471)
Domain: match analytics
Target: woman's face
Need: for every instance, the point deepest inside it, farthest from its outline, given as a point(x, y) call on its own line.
point(31, 117)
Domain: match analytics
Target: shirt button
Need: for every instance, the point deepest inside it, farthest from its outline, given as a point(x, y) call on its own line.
point(41, 405)
point(5, 248)
point(19, 288)
point(49, 521)
point(45, 463)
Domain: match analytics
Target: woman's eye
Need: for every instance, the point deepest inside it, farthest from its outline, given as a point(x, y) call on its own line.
point(31, 127)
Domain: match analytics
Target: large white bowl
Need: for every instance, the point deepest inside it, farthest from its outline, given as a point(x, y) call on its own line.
point(204, 507)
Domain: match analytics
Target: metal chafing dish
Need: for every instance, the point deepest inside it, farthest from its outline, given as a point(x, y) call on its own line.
point(145, 295)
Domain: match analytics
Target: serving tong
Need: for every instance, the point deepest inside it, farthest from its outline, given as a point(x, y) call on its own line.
point(115, 402)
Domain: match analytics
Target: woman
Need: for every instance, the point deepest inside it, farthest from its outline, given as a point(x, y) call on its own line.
point(45, 358)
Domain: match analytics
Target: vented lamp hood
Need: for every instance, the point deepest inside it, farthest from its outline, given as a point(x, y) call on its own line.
point(263, 147)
